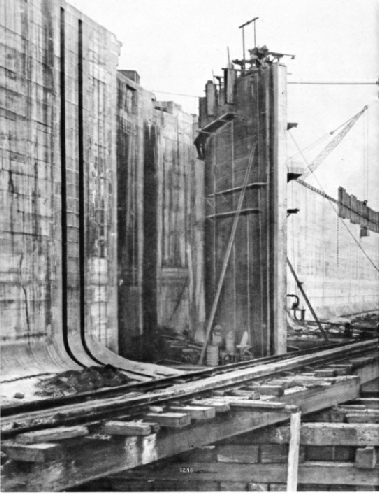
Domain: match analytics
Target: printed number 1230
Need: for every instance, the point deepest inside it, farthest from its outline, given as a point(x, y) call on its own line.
point(186, 470)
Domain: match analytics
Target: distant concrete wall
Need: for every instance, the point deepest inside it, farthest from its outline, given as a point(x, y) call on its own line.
point(47, 44)
point(338, 278)
point(160, 217)
point(176, 209)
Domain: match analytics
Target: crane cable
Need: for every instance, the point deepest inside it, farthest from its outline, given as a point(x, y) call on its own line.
point(320, 139)
point(320, 158)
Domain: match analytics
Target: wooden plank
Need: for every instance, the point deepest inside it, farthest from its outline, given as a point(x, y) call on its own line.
point(362, 418)
point(41, 452)
point(282, 383)
point(372, 403)
point(153, 425)
point(251, 395)
point(219, 406)
point(256, 404)
point(293, 453)
point(327, 473)
point(56, 434)
point(315, 396)
point(81, 462)
point(123, 485)
point(233, 486)
point(339, 434)
point(344, 365)
point(266, 389)
point(120, 428)
point(351, 407)
point(170, 419)
point(322, 434)
point(305, 378)
point(196, 412)
point(365, 458)
point(156, 409)
point(326, 373)
point(358, 411)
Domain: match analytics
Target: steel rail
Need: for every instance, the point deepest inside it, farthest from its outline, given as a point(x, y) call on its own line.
point(45, 404)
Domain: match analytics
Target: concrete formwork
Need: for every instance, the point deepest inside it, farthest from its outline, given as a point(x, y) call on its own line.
point(254, 287)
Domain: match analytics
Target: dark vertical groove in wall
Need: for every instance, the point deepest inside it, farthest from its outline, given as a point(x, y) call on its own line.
point(63, 188)
point(150, 234)
point(271, 217)
point(125, 265)
point(82, 217)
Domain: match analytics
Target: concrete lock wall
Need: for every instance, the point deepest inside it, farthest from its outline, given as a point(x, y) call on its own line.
point(57, 176)
point(160, 217)
point(326, 255)
point(74, 137)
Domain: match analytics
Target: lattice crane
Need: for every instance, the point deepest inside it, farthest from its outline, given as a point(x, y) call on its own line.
point(332, 144)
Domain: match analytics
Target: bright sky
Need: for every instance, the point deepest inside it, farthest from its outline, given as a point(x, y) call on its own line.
point(176, 44)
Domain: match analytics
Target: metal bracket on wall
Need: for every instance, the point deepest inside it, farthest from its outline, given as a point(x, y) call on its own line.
point(210, 129)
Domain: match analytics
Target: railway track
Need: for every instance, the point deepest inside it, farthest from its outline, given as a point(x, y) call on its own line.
point(97, 405)
point(145, 387)
point(141, 423)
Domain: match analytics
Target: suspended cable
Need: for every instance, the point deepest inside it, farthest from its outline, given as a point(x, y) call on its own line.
point(340, 83)
point(318, 141)
point(175, 94)
point(367, 121)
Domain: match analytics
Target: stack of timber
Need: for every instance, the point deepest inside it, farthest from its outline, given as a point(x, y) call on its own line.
point(348, 328)
point(67, 445)
point(333, 455)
